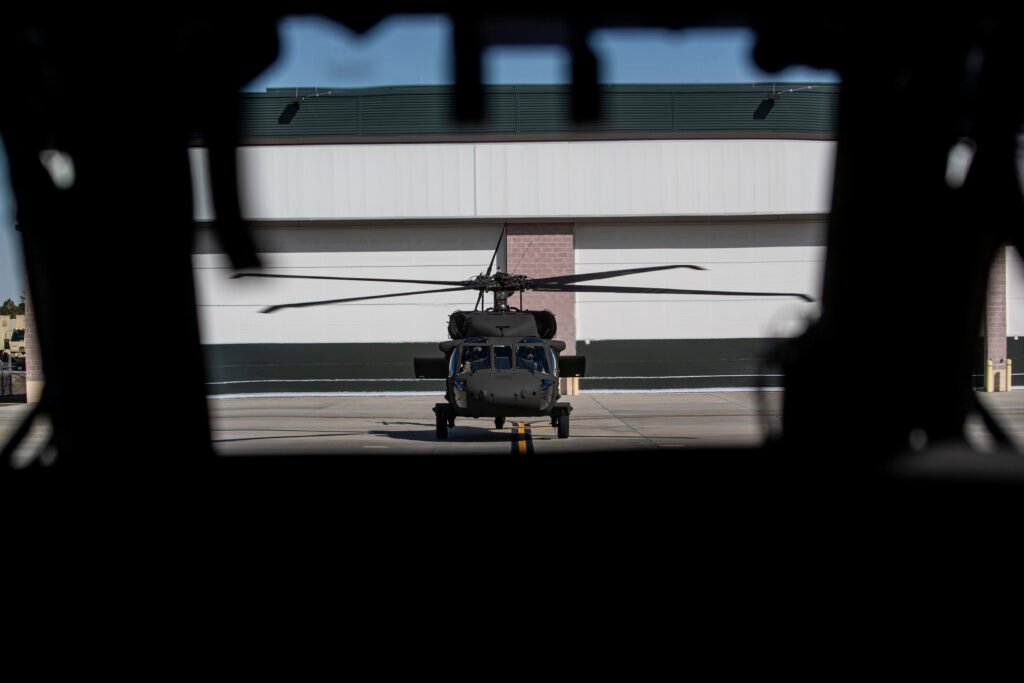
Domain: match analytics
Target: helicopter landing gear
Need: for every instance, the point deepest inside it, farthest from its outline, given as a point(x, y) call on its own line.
point(499, 422)
point(444, 419)
point(560, 419)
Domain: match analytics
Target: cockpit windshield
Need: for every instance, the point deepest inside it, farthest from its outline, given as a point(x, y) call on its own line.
point(502, 357)
point(531, 358)
point(476, 358)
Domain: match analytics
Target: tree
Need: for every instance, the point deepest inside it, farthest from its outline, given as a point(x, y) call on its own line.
point(21, 306)
point(10, 309)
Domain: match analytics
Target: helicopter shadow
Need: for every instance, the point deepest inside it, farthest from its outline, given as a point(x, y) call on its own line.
point(458, 433)
point(278, 435)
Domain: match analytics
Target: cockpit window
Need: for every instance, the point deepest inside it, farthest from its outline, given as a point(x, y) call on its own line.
point(476, 358)
point(502, 357)
point(531, 358)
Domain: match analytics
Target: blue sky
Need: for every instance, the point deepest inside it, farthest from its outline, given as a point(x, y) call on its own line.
point(409, 50)
point(414, 50)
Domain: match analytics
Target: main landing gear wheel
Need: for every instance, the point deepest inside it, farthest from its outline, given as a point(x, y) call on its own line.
point(499, 422)
point(563, 427)
point(442, 426)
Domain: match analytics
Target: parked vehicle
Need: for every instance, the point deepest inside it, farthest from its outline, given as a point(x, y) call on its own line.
point(17, 349)
point(6, 374)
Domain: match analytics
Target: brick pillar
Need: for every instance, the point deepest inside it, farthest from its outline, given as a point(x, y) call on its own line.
point(33, 361)
point(539, 250)
point(995, 322)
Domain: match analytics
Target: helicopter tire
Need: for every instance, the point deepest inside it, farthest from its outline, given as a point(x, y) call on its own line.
point(442, 427)
point(499, 422)
point(563, 427)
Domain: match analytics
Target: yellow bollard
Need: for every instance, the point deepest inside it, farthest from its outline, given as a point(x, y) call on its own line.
point(1009, 374)
point(988, 376)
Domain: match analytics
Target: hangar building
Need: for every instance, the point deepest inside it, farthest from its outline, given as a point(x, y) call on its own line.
point(381, 183)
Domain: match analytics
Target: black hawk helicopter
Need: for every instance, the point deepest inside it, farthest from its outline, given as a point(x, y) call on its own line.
point(504, 361)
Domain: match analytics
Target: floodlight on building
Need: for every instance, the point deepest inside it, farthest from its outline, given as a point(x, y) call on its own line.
point(293, 107)
point(289, 112)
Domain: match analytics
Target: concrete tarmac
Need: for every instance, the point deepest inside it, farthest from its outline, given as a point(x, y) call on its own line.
point(600, 422)
point(404, 425)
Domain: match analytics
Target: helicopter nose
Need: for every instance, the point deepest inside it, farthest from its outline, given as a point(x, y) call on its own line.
point(511, 391)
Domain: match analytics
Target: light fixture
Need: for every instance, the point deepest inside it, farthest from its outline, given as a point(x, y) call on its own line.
point(293, 107)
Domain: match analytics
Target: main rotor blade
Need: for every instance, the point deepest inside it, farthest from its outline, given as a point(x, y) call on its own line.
point(565, 279)
point(358, 279)
point(306, 304)
point(496, 248)
point(658, 290)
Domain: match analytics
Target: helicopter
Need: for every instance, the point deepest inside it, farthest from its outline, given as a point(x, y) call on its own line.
point(504, 361)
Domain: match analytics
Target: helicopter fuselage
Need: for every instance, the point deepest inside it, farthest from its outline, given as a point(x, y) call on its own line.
point(503, 376)
point(502, 361)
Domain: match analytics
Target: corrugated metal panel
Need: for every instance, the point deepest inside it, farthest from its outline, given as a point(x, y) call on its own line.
point(637, 112)
point(544, 112)
point(427, 110)
point(803, 111)
point(285, 182)
point(430, 113)
point(633, 112)
point(653, 177)
point(324, 115)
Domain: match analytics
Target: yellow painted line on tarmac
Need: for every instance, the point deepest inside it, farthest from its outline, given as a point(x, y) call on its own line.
point(522, 444)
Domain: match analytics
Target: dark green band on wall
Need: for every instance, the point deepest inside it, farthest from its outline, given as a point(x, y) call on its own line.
point(300, 368)
point(617, 364)
point(677, 364)
point(525, 109)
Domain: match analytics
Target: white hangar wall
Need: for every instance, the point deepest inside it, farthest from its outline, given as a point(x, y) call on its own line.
point(1015, 279)
point(530, 179)
point(785, 256)
point(229, 309)
point(1014, 294)
point(761, 256)
point(751, 211)
point(652, 178)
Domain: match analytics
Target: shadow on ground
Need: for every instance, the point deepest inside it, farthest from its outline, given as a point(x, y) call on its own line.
point(458, 433)
point(278, 435)
point(12, 387)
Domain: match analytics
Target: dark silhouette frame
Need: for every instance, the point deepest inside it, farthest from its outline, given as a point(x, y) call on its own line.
point(906, 253)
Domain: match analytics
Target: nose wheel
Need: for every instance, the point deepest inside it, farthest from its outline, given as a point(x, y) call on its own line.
point(560, 419)
point(563, 427)
point(444, 419)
